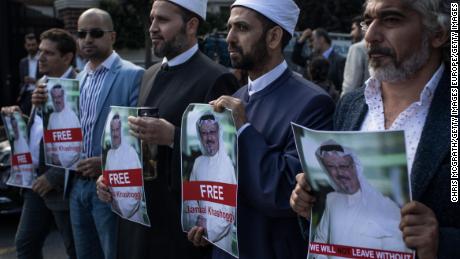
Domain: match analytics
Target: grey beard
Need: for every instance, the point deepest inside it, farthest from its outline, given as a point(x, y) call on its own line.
point(393, 73)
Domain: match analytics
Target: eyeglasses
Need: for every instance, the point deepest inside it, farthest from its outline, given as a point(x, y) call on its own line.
point(94, 33)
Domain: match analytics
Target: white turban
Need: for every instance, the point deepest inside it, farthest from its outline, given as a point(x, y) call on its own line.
point(195, 6)
point(282, 12)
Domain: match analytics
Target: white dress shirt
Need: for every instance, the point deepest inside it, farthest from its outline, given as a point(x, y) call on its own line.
point(181, 58)
point(328, 52)
point(262, 82)
point(33, 66)
point(411, 120)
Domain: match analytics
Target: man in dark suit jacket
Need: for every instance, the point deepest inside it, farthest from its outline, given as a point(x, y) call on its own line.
point(321, 45)
point(45, 203)
point(416, 85)
point(184, 76)
point(28, 73)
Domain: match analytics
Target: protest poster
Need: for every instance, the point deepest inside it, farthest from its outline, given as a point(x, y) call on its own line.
point(209, 175)
point(62, 129)
point(360, 182)
point(122, 166)
point(22, 172)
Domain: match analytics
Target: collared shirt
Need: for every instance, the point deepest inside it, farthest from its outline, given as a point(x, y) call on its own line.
point(89, 96)
point(328, 52)
point(36, 130)
point(33, 65)
point(181, 58)
point(262, 82)
point(411, 120)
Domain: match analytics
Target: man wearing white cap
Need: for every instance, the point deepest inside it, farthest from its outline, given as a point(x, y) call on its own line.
point(184, 76)
point(263, 111)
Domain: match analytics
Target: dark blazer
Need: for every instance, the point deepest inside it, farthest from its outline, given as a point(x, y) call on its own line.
point(24, 71)
point(55, 176)
point(336, 64)
point(430, 175)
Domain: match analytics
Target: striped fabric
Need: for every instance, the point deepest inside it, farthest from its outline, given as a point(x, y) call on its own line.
point(89, 97)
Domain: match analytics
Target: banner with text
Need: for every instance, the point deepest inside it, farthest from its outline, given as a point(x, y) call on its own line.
point(61, 123)
point(209, 175)
point(122, 166)
point(22, 173)
point(360, 182)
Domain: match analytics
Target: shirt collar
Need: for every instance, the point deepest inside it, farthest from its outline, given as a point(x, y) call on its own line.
point(373, 88)
point(34, 58)
point(108, 62)
point(266, 79)
point(181, 58)
point(67, 72)
point(328, 52)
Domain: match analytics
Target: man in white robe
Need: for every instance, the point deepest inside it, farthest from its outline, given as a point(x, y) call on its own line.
point(23, 173)
point(127, 200)
point(65, 154)
point(215, 166)
point(356, 214)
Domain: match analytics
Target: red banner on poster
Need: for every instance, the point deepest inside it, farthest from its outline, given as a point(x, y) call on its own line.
point(63, 135)
point(123, 178)
point(21, 159)
point(222, 193)
point(356, 252)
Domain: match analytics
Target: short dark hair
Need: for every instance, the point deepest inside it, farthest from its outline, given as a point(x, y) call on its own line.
point(357, 20)
point(30, 36)
point(65, 41)
point(267, 24)
point(320, 32)
point(319, 68)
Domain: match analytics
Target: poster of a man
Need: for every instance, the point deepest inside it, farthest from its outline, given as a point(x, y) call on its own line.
point(63, 129)
point(208, 188)
point(358, 206)
point(22, 173)
point(122, 167)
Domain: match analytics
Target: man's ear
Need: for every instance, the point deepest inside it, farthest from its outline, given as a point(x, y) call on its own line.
point(274, 37)
point(68, 58)
point(191, 27)
point(439, 38)
point(113, 36)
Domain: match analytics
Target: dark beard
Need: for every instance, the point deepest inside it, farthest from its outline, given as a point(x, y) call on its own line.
point(172, 47)
point(258, 56)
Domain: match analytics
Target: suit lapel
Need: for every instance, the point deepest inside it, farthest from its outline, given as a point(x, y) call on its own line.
point(107, 85)
point(356, 113)
point(146, 86)
point(434, 142)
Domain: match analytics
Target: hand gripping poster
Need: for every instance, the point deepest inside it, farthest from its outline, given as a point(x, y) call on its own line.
point(360, 182)
point(209, 175)
point(22, 172)
point(122, 166)
point(62, 129)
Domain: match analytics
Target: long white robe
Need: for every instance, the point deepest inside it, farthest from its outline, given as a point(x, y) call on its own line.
point(125, 157)
point(67, 152)
point(218, 168)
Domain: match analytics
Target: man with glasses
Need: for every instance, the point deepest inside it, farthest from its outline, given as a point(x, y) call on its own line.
point(106, 80)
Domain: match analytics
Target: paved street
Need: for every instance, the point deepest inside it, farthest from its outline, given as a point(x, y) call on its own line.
point(53, 248)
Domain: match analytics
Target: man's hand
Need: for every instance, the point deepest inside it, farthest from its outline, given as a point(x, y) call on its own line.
point(90, 167)
point(195, 235)
point(420, 229)
point(301, 199)
point(233, 104)
point(152, 130)
point(41, 186)
point(40, 95)
point(306, 34)
point(103, 191)
point(10, 109)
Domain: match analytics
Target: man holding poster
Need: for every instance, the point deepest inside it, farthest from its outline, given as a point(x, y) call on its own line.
point(121, 157)
point(64, 154)
point(214, 165)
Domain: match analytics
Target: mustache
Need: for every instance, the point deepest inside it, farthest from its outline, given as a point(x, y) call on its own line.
point(234, 47)
point(373, 50)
